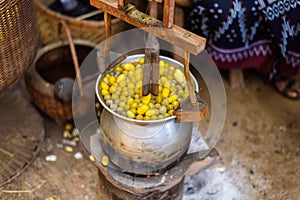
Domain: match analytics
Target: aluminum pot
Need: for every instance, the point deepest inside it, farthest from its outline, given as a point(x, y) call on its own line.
point(143, 147)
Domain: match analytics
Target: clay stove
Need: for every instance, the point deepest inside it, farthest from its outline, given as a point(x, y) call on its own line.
point(117, 184)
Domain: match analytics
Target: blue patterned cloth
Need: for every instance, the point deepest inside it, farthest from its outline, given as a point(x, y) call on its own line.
point(244, 34)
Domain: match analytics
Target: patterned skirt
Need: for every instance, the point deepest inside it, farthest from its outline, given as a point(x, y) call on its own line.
point(245, 34)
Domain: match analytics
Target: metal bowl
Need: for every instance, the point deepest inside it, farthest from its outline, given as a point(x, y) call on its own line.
point(139, 146)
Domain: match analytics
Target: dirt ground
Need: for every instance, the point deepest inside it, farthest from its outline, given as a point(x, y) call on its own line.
point(260, 147)
point(262, 137)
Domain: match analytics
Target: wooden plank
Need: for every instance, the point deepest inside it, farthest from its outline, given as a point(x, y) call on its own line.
point(188, 112)
point(175, 35)
point(192, 113)
point(168, 13)
point(179, 37)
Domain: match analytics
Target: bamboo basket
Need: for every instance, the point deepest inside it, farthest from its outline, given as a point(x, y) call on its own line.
point(52, 62)
point(18, 39)
point(49, 25)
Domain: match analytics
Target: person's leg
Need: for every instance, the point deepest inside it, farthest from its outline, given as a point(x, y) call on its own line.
point(283, 20)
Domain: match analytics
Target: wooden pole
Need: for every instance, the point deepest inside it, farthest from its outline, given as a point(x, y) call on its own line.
point(147, 73)
point(155, 73)
point(105, 58)
point(168, 13)
point(188, 77)
point(107, 21)
point(74, 57)
point(153, 9)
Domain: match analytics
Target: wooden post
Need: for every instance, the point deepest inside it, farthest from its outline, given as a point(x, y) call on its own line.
point(105, 59)
point(146, 73)
point(192, 94)
point(236, 78)
point(168, 13)
point(122, 4)
point(155, 73)
point(153, 9)
point(107, 20)
point(74, 57)
point(154, 53)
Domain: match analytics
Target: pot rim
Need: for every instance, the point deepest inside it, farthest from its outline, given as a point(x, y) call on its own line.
point(136, 57)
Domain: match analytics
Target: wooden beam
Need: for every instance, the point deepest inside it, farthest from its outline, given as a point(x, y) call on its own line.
point(188, 112)
point(174, 35)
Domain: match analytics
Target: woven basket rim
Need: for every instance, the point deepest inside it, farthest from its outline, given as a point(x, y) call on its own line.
point(70, 19)
point(33, 72)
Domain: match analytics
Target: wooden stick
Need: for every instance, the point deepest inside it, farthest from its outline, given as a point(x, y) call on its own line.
point(108, 30)
point(107, 20)
point(154, 53)
point(90, 14)
point(155, 72)
point(146, 73)
point(74, 57)
point(23, 191)
point(103, 54)
point(188, 77)
point(6, 152)
point(116, 61)
point(168, 15)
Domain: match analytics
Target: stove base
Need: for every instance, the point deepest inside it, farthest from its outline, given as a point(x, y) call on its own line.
point(108, 191)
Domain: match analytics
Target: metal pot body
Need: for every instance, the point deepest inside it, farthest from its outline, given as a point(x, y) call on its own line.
point(143, 147)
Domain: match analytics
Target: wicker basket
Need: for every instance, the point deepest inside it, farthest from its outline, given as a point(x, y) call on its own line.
point(18, 39)
point(53, 62)
point(49, 29)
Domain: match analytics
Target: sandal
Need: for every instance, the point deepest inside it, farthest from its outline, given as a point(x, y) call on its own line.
point(290, 82)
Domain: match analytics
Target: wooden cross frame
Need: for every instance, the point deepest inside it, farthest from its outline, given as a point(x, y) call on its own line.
point(166, 30)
